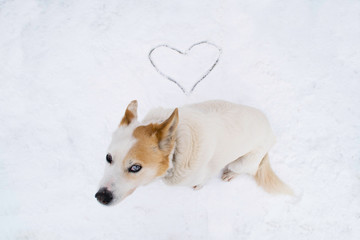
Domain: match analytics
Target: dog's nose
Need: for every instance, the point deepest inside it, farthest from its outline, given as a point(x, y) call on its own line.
point(104, 196)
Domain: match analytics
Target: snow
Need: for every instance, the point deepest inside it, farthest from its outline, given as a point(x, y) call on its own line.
point(69, 68)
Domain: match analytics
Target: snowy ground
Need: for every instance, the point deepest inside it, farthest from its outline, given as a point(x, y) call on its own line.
point(69, 68)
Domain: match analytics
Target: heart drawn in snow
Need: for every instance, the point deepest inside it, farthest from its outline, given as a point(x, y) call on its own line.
point(179, 63)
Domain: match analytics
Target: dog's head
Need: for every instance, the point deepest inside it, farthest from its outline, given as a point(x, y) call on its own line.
point(137, 155)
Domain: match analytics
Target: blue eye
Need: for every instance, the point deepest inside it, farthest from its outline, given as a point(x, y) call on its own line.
point(135, 168)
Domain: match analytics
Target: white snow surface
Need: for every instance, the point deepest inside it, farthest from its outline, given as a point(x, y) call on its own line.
point(68, 69)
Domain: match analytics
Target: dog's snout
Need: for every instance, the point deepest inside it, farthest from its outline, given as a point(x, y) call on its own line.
point(104, 196)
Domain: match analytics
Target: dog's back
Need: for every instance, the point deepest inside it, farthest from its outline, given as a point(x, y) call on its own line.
point(238, 129)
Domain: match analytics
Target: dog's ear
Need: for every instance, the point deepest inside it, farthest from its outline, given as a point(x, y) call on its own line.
point(166, 131)
point(130, 113)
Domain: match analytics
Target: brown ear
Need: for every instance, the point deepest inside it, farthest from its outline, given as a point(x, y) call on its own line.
point(166, 131)
point(130, 113)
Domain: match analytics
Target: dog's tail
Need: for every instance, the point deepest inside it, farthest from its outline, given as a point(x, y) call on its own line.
point(266, 178)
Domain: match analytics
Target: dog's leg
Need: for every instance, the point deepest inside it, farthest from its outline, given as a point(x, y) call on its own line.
point(200, 184)
point(228, 175)
point(247, 164)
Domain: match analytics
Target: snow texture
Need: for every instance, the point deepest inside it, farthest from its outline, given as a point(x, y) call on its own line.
point(69, 68)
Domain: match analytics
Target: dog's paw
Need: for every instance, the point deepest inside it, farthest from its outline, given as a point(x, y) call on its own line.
point(197, 187)
point(228, 175)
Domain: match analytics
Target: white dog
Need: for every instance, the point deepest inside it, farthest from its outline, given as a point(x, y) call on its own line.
point(187, 146)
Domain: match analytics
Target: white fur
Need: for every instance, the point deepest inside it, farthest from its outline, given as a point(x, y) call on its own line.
point(113, 179)
point(212, 135)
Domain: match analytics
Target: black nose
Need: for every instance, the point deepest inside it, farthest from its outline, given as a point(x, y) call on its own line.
point(104, 196)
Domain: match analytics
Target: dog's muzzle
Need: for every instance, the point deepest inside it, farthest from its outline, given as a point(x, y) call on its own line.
point(104, 196)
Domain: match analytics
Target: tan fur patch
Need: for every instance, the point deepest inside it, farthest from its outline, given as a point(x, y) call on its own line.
point(148, 148)
point(130, 113)
point(128, 117)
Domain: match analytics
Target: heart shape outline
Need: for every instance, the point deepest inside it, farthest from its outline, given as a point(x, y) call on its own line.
point(186, 52)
